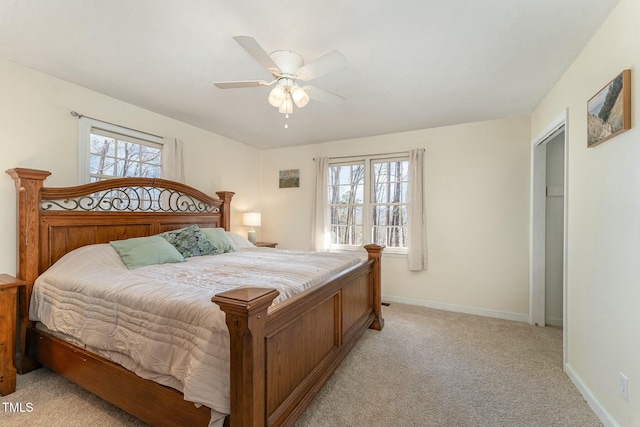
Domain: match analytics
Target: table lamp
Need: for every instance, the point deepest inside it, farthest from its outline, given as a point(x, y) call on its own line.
point(251, 219)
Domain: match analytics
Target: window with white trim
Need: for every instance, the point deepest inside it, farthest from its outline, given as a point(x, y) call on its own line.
point(368, 202)
point(110, 151)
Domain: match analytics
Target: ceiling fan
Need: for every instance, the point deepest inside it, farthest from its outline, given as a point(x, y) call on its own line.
point(288, 69)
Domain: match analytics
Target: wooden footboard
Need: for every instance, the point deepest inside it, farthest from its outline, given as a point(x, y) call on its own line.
point(281, 357)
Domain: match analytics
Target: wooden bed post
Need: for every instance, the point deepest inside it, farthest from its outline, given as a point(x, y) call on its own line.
point(28, 182)
point(246, 315)
point(374, 252)
point(226, 208)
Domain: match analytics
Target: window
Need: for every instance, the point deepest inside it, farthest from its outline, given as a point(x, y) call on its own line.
point(113, 155)
point(368, 203)
point(109, 151)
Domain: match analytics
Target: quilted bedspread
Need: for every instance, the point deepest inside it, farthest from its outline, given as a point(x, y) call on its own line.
point(159, 321)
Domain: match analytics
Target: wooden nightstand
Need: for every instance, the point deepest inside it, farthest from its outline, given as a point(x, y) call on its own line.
point(9, 287)
point(266, 244)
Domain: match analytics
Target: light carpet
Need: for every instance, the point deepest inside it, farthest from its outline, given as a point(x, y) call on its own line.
point(425, 368)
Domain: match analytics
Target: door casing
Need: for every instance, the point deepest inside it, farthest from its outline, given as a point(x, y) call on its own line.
point(537, 250)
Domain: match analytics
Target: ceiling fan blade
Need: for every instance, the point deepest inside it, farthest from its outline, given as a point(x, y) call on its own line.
point(256, 51)
point(324, 96)
point(241, 84)
point(328, 63)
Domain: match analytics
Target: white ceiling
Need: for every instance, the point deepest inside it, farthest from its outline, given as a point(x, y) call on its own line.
point(413, 64)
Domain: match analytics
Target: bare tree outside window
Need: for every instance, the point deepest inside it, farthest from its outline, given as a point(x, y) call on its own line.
point(389, 216)
point(381, 193)
point(111, 157)
point(118, 156)
point(346, 194)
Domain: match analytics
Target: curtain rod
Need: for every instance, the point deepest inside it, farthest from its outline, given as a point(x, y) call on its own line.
point(79, 116)
point(397, 153)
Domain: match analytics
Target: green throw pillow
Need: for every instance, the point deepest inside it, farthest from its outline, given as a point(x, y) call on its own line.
point(190, 241)
point(141, 251)
point(220, 239)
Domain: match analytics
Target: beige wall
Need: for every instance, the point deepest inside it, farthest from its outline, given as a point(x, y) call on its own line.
point(603, 223)
point(37, 131)
point(477, 208)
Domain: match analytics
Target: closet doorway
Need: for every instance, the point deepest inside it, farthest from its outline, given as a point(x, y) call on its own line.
point(548, 271)
point(554, 232)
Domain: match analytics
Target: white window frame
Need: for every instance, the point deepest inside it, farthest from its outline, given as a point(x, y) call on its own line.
point(85, 126)
point(368, 204)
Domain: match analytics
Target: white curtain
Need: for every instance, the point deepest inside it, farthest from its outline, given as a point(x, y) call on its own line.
point(172, 161)
point(321, 234)
point(416, 220)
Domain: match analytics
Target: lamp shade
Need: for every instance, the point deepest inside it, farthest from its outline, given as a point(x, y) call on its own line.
point(252, 219)
point(300, 97)
point(277, 96)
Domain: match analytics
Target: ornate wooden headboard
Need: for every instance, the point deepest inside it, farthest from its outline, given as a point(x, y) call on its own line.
point(54, 221)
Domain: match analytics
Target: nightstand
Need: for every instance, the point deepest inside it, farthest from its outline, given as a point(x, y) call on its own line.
point(266, 244)
point(9, 287)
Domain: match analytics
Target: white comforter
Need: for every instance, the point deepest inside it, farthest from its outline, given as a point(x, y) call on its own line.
point(159, 321)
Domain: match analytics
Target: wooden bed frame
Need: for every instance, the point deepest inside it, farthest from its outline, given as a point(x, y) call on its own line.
point(280, 355)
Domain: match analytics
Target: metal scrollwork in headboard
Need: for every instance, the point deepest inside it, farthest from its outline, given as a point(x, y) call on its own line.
point(133, 199)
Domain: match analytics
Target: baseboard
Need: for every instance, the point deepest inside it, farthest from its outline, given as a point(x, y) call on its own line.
point(606, 418)
point(518, 317)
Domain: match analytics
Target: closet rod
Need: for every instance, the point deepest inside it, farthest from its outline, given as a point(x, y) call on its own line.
point(78, 115)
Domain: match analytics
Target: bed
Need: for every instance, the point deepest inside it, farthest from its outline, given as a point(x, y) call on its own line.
point(279, 355)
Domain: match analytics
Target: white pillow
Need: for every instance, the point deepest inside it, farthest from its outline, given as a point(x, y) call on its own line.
point(240, 242)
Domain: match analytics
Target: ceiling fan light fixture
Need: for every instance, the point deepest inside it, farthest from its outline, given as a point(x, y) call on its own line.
point(300, 96)
point(289, 71)
point(277, 96)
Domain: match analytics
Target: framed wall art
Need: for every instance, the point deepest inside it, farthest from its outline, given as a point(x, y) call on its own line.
point(290, 178)
point(609, 110)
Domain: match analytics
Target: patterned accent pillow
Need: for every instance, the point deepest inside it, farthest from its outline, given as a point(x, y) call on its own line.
point(190, 241)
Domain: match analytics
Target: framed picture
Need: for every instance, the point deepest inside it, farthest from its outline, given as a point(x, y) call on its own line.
point(609, 111)
point(290, 178)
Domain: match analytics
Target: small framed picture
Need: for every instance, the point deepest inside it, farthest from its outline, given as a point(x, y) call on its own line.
point(609, 111)
point(290, 178)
